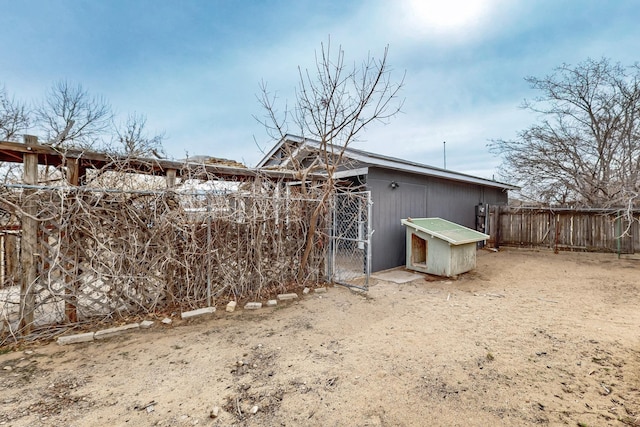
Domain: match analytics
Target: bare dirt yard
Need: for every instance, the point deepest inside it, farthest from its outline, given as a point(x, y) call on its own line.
point(527, 338)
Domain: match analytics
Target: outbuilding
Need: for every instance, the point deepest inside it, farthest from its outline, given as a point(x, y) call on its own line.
point(440, 247)
point(398, 189)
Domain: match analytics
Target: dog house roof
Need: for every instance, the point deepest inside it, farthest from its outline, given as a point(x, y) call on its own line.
point(448, 231)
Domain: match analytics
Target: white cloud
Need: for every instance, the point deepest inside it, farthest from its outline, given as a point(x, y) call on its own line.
point(440, 23)
point(444, 17)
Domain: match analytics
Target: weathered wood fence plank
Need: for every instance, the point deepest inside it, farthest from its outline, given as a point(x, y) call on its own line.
point(591, 230)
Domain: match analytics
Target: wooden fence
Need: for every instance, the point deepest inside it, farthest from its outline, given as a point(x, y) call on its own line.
point(562, 229)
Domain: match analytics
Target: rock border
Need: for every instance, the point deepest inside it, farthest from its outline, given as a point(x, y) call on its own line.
point(146, 324)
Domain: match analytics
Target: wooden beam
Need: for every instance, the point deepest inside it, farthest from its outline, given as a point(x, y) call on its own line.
point(11, 264)
point(3, 251)
point(28, 243)
point(47, 155)
point(70, 290)
point(73, 171)
point(171, 178)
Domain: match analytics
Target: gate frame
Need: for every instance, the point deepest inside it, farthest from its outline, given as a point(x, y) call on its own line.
point(365, 239)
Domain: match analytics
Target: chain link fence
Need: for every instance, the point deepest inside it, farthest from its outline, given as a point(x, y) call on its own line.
point(350, 253)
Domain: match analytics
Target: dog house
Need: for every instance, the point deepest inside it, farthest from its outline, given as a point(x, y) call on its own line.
point(440, 247)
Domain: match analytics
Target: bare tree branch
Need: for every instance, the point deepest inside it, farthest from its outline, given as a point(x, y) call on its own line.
point(132, 139)
point(14, 117)
point(70, 117)
point(585, 148)
point(334, 104)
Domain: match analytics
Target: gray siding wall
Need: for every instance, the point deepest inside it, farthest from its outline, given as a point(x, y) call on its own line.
point(418, 196)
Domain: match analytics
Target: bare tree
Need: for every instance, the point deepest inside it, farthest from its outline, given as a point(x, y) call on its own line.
point(132, 138)
point(334, 104)
point(585, 148)
point(70, 117)
point(14, 117)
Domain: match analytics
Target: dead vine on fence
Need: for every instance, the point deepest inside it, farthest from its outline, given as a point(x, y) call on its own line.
point(108, 253)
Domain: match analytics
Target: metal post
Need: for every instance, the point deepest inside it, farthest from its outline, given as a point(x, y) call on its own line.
point(332, 239)
point(208, 260)
point(369, 234)
point(618, 231)
point(444, 148)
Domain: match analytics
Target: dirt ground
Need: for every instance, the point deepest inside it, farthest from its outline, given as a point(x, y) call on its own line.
point(527, 338)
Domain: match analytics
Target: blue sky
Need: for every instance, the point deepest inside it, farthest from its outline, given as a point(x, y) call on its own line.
point(194, 67)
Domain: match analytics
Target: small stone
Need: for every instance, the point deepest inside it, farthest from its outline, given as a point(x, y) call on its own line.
point(72, 339)
point(320, 290)
point(214, 412)
point(107, 333)
point(198, 312)
point(305, 291)
point(23, 364)
point(28, 353)
point(146, 324)
point(252, 305)
point(272, 303)
point(167, 321)
point(240, 363)
point(150, 409)
point(231, 306)
point(255, 366)
point(7, 368)
point(255, 409)
point(284, 297)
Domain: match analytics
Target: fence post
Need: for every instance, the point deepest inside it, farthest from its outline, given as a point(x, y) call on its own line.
point(29, 242)
point(71, 295)
point(498, 228)
point(171, 178)
point(2, 255)
point(208, 252)
point(618, 232)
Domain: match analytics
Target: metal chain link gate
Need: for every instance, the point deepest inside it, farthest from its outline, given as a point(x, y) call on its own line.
point(350, 249)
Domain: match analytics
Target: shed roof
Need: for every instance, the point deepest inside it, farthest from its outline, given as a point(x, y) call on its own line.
point(448, 231)
point(305, 145)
